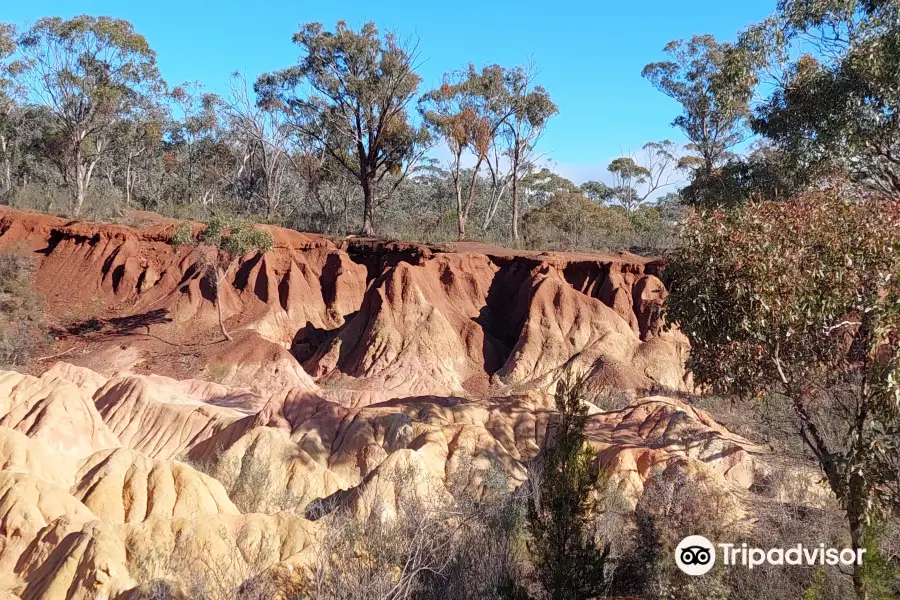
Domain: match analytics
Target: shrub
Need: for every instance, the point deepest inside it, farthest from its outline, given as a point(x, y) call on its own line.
point(571, 221)
point(569, 563)
point(21, 320)
point(798, 303)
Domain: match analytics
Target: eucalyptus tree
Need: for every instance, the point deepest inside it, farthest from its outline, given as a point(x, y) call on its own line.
point(350, 93)
point(700, 76)
point(89, 71)
point(596, 191)
point(467, 112)
point(797, 305)
point(834, 70)
point(262, 134)
point(11, 96)
point(532, 108)
point(540, 186)
point(194, 137)
point(137, 139)
point(635, 182)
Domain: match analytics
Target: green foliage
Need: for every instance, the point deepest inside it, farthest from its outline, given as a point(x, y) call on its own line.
point(700, 76)
point(834, 108)
point(768, 173)
point(362, 84)
point(634, 182)
point(183, 235)
point(880, 573)
point(595, 190)
point(89, 71)
point(21, 321)
point(569, 563)
point(10, 93)
point(800, 301)
point(655, 227)
point(540, 186)
point(570, 221)
point(230, 236)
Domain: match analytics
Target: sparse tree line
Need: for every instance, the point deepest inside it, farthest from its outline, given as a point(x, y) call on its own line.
point(336, 143)
point(339, 142)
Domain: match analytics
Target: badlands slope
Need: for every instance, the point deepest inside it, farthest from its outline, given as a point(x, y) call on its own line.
point(351, 360)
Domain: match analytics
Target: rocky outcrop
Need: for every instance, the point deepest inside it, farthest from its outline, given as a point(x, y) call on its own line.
point(360, 373)
point(97, 525)
point(367, 321)
point(55, 413)
point(124, 486)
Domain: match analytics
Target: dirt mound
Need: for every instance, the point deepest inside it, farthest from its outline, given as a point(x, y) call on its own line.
point(123, 486)
point(97, 525)
point(54, 413)
point(652, 434)
point(368, 320)
point(359, 371)
point(27, 505)
point(461, 323)
point(21, 454)
point(156, 420)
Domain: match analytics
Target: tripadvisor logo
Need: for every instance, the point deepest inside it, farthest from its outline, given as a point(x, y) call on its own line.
point(696, 555)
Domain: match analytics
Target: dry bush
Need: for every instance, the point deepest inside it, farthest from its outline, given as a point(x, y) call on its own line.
point(377, 555)
point(253, 480)
point(785, 506)
point(423, 546)
point(196, 572)
point(490, 556)
point(781, 524)
point(609, 399)
point(673, 506)
point(22, 328)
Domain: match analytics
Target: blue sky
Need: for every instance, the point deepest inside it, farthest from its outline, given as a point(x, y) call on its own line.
point(590, 54)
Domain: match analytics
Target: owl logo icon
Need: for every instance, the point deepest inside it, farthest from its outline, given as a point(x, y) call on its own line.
point(695, 555)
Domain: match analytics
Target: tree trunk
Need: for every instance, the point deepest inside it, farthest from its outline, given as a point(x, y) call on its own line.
point(128, 183)
point(496, 197)
point(368, 228)
point(79, 187)
point(219, 304)
point(856, 542)
point(464, 210)
point(515, 194)
point(460, 215)
point(7, 164)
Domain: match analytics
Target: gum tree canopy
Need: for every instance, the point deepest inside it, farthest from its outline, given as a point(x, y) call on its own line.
point(89, 71)
point(349, 94)
point(799, 302)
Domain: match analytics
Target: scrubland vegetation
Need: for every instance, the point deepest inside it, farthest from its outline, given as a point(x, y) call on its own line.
point(783, 255)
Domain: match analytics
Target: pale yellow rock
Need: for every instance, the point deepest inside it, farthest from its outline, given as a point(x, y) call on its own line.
point(124, 486)
point(270, 472)
point(88, 564)
point(28, 504)
point(54, 413)
point(86, 380)
point(133, 513)
point(159, 422)
point(22, 454)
